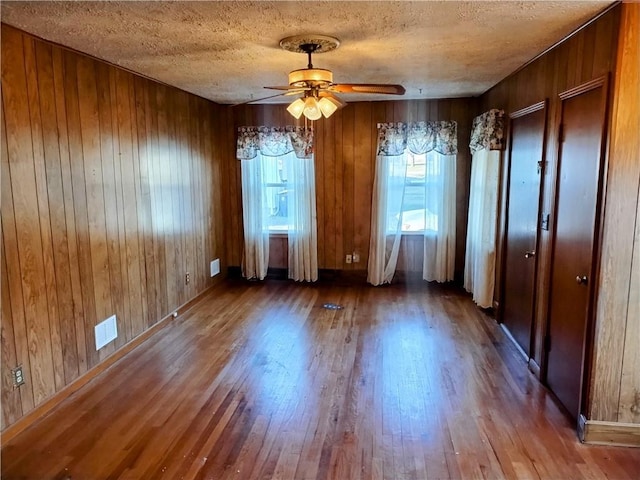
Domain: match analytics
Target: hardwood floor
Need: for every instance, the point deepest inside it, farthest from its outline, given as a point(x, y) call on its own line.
point(259, 381)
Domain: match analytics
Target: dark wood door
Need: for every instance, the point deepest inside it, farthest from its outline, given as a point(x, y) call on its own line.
point(572, 268)
point(523, 199)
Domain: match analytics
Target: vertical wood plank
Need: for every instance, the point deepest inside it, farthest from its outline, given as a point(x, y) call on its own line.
point(321, 208)
point(155, 260)
point(75, 289)
point(11, 402)
point(92, 159)
point(338, 191)
point(140, 212)
point(348, 174)
point(64, 317)
point(165, 197)
point(110, 205)
point(36, 342)
point(129, 240)
point(86, 316)
point(123, 305)
point(182, 179)
point(145, 200)
point(328, 188)
point(53, 322)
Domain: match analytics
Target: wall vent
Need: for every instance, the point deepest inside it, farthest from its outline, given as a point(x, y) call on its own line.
point(106, 332)
point(215, 267)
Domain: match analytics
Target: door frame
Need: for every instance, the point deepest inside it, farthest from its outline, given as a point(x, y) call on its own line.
point(594, 274)
point(542, 105)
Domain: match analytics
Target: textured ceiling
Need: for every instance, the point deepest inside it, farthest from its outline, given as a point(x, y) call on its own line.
point(227, 51)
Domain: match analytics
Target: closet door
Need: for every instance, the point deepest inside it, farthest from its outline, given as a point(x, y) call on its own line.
point(575, 242)
point(525, 170)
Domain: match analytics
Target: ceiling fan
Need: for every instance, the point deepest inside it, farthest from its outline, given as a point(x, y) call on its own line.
point(315, 85)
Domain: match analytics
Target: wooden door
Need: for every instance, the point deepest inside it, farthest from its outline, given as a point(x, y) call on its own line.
point(525, 169)
point(574, 245)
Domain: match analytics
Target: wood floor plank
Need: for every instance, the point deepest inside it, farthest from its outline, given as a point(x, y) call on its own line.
point(259, 381)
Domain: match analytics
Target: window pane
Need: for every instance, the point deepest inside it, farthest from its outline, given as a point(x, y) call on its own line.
point(422, 185)
point(275, 193)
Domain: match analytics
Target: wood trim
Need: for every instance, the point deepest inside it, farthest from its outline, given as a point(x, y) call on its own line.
point(608, 433)
point(44, 408)
point(530, 109)
point(585, 87)
point(601, 195)
point(506, 331)
point(534, 367)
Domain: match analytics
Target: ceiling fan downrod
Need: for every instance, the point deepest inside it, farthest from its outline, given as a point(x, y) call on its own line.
point(309, 48)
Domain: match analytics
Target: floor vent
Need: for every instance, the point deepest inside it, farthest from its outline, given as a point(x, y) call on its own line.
point(332, 306)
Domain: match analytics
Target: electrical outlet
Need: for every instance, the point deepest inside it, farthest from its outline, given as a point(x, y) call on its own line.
point(356, 257)
point(348, 259)
point(187, 278)
point(18, 376)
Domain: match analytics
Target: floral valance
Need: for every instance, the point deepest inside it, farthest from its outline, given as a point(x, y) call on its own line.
point(487, 131)
point(418, 137)
point(274, 141)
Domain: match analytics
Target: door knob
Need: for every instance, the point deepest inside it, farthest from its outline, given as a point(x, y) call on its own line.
point(530, 254)
point(582, 280)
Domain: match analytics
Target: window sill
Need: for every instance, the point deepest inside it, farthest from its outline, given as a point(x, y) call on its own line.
point(429, 233)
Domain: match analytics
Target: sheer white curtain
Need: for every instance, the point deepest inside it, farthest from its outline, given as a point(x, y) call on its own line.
point(302, 232)
point(386, 230)
point(292, 146)
point(256, 231)
point(437, 141)
point(480, 257)
point(440, 200)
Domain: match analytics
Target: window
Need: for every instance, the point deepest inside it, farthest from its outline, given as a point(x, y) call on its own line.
point(276, 192)
point(415, 186)
point(278, 196)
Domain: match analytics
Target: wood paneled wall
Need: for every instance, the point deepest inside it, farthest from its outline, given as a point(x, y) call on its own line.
point(615, 386)
point(108, 199)
point(591, 53)
point(345, 160)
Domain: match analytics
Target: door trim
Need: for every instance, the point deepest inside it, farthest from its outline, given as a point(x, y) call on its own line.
point(541, 105)
point(587, 348)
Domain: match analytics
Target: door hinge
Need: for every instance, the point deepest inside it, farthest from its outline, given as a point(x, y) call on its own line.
point(547, 343)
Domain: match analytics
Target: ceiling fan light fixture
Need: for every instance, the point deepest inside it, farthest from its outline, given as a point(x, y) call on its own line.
point(296, 108)
point(329, 105)
point(311, 108)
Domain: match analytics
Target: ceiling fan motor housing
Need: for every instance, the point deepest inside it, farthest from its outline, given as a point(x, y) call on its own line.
point(311, 77)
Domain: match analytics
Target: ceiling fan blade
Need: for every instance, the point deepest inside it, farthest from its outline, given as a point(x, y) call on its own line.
point(290, 88)
point(381, 88)
point(289, 92)
point(260, 99)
